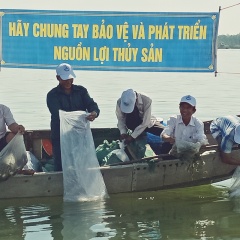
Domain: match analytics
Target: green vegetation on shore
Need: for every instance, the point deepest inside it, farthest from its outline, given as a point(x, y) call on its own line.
point(229, 41)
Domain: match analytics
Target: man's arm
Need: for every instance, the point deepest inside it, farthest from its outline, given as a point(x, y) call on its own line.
point(167, 133)
point(200, 134)
point(90, 104)
point(15, 128)
point(229, 158)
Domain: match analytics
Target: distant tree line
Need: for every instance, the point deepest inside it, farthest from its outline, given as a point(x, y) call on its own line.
point(229, 41)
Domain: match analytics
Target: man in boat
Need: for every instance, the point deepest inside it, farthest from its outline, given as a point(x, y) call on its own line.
point(6, 119)
point(133, 112)
point(67, 97)
point(185, 127)
point(226, 130)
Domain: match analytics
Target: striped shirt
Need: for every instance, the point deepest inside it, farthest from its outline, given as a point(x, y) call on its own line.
point(222, 129)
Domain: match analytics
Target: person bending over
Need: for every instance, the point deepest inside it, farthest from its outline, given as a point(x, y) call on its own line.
point(133, 111)
point(226, 130)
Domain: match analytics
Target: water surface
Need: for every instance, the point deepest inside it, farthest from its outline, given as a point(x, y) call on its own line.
point(192, 213)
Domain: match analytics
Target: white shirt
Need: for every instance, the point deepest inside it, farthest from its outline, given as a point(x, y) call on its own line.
point(6, 118)
point(193, 132)
point(144, 105)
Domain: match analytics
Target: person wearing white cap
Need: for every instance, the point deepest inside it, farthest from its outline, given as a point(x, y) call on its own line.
point(6, 119)
point(185, 127)
point(226, 130)
point(67, 97)
point(133, 111)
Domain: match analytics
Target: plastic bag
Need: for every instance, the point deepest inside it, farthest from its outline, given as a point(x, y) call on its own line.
point(155, 143)
point(105, 149)
point(12, 157)
point(120, 153)
point(116, 156)
point(82, 178)
point(32, 163)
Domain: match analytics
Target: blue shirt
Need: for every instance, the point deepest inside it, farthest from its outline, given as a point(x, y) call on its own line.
point(77, 100)
point(223, 128)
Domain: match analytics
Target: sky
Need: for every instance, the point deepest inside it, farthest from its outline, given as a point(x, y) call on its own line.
point(228, 24)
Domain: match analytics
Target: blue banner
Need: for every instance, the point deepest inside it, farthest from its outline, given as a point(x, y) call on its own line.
point(109, 41)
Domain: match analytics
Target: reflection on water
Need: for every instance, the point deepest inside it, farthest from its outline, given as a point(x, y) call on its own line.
point(30, 219)
point(192, 213)
point(85, 220)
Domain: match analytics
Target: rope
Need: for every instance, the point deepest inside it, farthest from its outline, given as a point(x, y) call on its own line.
point(227, 72)
point(230, 6)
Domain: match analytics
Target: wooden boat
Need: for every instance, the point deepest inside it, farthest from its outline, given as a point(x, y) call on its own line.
point(132, 177)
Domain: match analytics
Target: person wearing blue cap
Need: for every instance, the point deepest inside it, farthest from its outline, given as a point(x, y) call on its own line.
point(185, 126)
point(133, 111)
point(226, 130)
point(67, 97)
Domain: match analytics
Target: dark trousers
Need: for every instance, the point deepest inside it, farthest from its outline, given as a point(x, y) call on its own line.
point(3, 142)
point(157, 129)
point(57, 154)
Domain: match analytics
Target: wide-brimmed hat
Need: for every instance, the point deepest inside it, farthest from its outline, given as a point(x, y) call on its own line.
point(65, 71)
point(128, 100)
point(237, 134)
point(189, 99)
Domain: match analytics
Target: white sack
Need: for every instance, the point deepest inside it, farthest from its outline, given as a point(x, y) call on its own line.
point(82, 178)
point(234, 190)
point(12, 157)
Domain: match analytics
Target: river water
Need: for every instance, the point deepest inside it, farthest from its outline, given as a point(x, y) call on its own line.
point(203, 212)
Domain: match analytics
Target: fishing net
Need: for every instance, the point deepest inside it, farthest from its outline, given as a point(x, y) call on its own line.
point(82, 178)
point(12, 157)
point(186, 151)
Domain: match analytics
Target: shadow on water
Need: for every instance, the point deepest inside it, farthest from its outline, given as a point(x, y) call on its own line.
point(192, 213)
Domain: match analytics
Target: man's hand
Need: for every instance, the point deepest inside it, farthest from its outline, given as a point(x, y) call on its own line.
point(21, 129)
point(128, 139)
point(15, 128)
point(169, 139)
point(91, 117)
point(123, 136)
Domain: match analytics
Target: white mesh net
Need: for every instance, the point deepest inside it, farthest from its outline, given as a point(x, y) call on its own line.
point(82, 178)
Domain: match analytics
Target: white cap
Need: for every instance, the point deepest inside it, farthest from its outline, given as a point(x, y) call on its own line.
point(189, 99)
point(65, 71)
point(128, 100)
point(237, 134)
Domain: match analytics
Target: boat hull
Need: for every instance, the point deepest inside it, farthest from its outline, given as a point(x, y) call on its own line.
point(136, 177)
